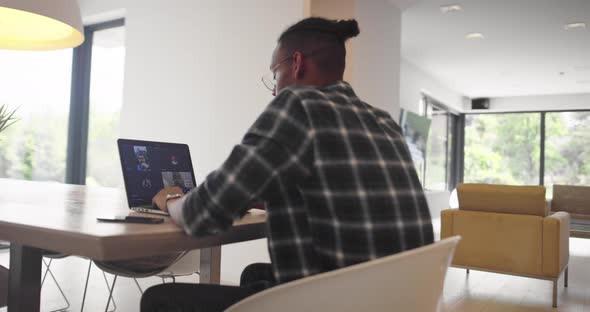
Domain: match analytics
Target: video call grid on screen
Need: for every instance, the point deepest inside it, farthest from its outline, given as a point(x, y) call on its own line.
point(150, 166)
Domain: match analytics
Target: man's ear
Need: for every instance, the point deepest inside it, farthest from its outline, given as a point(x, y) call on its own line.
point(298, 66)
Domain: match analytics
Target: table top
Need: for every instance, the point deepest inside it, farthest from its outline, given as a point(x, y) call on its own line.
point(62, 218)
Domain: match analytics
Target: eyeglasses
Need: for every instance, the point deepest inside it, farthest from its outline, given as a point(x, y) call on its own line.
point(269, 79)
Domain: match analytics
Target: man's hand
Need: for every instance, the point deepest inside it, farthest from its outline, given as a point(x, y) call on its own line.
point(160, 199)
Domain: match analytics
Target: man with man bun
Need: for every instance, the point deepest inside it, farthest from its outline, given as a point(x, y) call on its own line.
point(335, 174)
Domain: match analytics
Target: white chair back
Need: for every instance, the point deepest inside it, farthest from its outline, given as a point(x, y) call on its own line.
point(407, 281)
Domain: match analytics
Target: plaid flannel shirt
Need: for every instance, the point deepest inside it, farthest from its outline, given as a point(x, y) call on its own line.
point(337, 178)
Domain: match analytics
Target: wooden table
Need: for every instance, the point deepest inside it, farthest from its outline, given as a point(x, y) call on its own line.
point(42, 215)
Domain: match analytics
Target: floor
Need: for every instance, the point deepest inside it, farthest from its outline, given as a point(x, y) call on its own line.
point(71, 275)
point(476, 292)
point(487, 292)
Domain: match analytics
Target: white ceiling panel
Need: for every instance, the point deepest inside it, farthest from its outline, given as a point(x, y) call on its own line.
point(526, 50)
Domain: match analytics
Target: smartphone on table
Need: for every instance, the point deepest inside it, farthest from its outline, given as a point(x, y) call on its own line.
point(130, 219)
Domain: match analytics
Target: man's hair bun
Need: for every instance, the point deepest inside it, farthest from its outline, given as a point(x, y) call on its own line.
point(346, 29)
point(340, 29)
point(324, 38)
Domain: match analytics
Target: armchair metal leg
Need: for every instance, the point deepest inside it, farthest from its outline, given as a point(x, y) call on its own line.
point(555, 293)
point(111, 294)
point(48, 270)
point(565, 277)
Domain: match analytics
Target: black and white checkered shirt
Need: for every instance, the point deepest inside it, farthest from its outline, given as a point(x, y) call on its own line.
point(337, 178)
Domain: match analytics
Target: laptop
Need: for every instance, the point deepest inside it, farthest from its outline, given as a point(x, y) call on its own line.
point(149, 166)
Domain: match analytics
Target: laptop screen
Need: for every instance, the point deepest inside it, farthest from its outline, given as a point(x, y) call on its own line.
point(150, 166)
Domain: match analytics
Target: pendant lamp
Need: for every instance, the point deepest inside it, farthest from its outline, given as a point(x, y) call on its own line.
point(40, 24)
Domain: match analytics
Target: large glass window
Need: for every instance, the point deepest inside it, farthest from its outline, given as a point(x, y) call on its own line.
point(38, 84)
point(567, 149)
point(502, 148)
point(106, 98)
point(439, 152)
point(50, 90)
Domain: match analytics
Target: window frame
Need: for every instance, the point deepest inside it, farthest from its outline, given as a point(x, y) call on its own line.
point(452, 151)
point(77, 146)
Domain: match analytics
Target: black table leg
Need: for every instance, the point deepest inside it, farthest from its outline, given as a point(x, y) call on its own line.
point(24, 282)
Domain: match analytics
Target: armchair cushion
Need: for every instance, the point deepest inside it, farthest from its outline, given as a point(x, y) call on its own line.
point(525, 200)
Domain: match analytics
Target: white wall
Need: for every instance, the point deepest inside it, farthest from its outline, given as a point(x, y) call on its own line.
point(415, 81)
point(96, 11)
point(336, 9)
point(192, 75)
point(377, 50)
point(373, 58)
point(193, 68)
point(193, 71)
point(537, 103)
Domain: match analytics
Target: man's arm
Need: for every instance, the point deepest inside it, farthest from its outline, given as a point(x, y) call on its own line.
point(276, 146)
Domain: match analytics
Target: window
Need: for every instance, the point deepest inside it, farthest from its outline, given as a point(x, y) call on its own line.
point(106, 98)
point(502, 148)
point(440, 146)
point(567, 149)
point(38, 84)
point(54, 94)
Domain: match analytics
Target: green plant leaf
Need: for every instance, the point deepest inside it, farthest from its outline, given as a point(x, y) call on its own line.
point(7, 117)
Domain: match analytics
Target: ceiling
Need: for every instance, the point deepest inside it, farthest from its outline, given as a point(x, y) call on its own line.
point(404, 4)
point(526, 50)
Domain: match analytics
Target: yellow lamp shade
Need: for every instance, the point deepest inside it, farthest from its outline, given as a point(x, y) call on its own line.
point(40, 24)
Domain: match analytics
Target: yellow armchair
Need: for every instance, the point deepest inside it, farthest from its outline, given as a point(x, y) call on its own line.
point(506, 229)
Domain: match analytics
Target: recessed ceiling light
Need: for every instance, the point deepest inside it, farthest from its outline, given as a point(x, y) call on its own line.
point(451, 8)
point(475, 36)
point(573, 26)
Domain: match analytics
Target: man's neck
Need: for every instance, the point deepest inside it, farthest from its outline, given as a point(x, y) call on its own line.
point(320, 81)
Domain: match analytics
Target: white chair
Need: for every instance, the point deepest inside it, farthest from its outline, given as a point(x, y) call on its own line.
point(51, 256)
point(408, 281)
point(186, 265)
